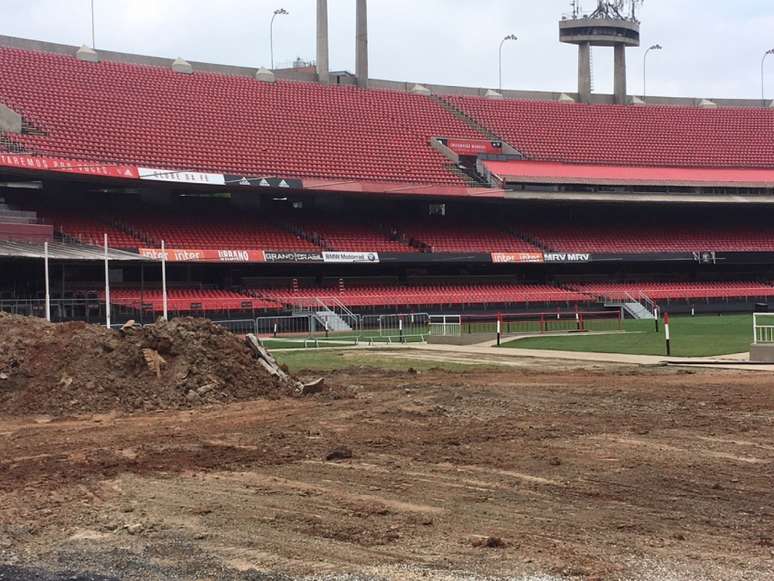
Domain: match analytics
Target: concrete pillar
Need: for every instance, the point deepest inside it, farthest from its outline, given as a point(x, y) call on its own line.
point(620, 74)
point(584, 72)
point(362, 44)
point(323, 64)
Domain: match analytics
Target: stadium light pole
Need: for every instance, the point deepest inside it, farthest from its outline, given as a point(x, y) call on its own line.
point(278, 12)
point(763, 73)
point(107, 285)
point(507, 38)
point(93, 35)
point(48, 287)
point(644, 69)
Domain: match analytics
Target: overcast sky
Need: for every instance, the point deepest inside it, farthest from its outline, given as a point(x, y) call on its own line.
point(713, 48)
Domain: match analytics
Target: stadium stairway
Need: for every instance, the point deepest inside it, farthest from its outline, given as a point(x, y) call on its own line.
point(471, 122)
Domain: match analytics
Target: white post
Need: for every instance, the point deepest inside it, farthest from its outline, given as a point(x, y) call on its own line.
point(107, 285)
point(48, 292)
point(164, 280)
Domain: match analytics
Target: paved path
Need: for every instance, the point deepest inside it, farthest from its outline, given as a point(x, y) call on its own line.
point(490, 352)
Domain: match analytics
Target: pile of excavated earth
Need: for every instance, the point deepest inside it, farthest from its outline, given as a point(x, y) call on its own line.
point(74, 368)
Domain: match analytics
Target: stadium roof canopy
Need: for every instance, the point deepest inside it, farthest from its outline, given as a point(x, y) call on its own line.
point(66, 251)
point(542, 172)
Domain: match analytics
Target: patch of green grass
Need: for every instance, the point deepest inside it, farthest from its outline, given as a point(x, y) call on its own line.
point(703, 336)
point(341, 341)
point(334, 359)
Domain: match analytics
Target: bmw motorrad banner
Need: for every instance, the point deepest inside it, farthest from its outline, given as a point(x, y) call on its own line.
point(351, 257)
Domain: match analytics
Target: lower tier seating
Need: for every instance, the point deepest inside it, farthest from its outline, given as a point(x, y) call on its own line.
point(432, 295)
point(677, 290)
point(188, 299)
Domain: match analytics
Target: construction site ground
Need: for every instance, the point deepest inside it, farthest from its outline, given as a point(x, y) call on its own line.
point(536, 469)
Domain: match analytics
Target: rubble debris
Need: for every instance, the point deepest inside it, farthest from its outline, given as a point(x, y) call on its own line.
point(489, 543)
point(339, 454)
point(75, 368)
point(267, 361)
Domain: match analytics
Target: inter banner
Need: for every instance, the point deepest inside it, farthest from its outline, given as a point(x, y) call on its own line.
point(517, 257)
point(177, 255)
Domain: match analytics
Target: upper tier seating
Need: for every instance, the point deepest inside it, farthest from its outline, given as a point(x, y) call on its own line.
point(226, 124)
point(678, 290)
point(633, 239)
point(433, 295)
point(618, 135)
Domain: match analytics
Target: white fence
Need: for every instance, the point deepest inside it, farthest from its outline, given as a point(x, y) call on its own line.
point(763, 328)
point(445, 325)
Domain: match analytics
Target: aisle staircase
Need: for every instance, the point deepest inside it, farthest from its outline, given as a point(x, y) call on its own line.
point(641, 308)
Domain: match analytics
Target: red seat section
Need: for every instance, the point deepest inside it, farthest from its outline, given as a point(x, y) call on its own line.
point(432, 295)
point(187, 299)
point(678, 290)
point(353, 235)
point(623, 135)
point(152, 116)
point(219, 232)
point(633, 239)
point(92, 230)
point(463, 235)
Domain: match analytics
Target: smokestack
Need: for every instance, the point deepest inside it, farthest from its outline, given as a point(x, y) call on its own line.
point(322, 41)
point(362, 44)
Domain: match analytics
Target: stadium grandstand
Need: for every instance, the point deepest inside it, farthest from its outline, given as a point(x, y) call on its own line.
point(270, 189)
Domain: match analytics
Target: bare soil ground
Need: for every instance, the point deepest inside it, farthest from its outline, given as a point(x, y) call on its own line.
point(525, 473)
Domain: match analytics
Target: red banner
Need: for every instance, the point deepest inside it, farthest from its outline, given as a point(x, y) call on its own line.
point(517, 257)
point(178, 255)
point(474, 146)
point(95, 168)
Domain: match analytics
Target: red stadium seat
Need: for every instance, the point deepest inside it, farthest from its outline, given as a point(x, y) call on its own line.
point(663, 136)
point(152, 116)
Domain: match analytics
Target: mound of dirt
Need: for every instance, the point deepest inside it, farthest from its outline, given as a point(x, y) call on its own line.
point(72, 368)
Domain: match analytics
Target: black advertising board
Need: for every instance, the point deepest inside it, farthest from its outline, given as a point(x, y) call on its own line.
point(252, 182)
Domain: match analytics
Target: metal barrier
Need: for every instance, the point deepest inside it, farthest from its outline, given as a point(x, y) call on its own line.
point(445, 325)
point(541, 323)
point(395, 325)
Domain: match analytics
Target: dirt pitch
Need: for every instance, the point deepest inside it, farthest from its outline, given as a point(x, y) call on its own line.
point(547, 471)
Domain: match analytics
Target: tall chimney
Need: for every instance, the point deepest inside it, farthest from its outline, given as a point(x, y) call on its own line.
point(323, 67)
point(362, 44)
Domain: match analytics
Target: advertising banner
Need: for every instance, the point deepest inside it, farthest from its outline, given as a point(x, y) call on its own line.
point(181, 177)
point(92, 168)
point(473, 146)
point(517, 257)
point(178, 255)
point(294, 257)
point(350, 257)
point(567, 258)
point(253, 182)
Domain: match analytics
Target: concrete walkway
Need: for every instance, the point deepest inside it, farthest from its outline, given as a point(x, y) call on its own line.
point(490, 352)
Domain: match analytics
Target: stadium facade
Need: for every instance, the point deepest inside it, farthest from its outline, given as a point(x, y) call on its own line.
point(268, 189)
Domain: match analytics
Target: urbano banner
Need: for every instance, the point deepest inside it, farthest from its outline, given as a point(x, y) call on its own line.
point(176, 255)
point(517, 257)
point(350, 257)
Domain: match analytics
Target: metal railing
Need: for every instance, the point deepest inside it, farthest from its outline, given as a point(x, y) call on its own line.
point(763, 333)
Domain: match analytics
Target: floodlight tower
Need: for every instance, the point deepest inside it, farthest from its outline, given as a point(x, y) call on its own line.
point(614, 24)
